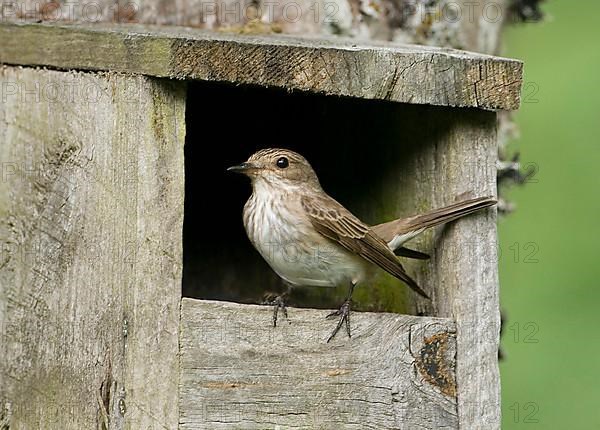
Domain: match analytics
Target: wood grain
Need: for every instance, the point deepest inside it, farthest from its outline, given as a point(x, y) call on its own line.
point(466, 265)
point(335, 66)
point(237, 371)
point(91, 208)
point(462, 276)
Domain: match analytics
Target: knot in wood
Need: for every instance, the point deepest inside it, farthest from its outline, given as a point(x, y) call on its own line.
point(436, 362)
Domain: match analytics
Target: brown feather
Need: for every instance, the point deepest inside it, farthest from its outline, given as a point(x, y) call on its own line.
point(387, 231)
point(335, 222)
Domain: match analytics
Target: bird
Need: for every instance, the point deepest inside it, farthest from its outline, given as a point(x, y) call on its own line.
point(309, 239)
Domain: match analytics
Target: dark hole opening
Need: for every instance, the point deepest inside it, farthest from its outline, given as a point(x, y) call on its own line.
point(349, 143)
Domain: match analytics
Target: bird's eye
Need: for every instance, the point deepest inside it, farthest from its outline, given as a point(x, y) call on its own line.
point(282, 162)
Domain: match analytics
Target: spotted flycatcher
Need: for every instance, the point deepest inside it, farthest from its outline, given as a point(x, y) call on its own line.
point(331, 246)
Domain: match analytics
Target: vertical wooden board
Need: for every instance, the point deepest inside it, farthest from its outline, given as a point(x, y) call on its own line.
point(467, 268)
point(454, 157)
point(91, 208)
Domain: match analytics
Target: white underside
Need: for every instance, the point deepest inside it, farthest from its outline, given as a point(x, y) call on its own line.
point(293, 249)
point(401, 239)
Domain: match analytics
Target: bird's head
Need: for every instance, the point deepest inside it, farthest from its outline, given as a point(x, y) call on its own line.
point(278, 167)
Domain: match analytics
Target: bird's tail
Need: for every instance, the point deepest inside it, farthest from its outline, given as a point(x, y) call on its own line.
point(400, 231)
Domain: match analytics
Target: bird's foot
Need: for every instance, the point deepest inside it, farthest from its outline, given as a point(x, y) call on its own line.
point(278, 303)
point(344, 313)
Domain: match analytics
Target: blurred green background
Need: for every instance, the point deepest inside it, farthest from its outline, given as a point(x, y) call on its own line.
point(549, 268)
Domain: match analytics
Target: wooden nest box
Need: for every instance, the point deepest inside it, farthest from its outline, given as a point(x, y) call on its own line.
point(96, 332)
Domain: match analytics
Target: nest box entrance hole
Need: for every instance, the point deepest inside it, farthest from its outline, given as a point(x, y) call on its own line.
point(360, 149)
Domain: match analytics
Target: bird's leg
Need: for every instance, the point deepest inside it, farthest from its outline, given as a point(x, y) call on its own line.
point(278, 303)
point(344, 313)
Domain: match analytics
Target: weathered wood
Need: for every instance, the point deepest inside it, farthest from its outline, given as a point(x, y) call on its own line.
point(467, 267)
point(345, 67)
point(462, 275)
point(91, 207)
point(428, 156)
point(237, 371)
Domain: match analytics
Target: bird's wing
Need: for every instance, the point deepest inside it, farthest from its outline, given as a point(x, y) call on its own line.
point(335, 222)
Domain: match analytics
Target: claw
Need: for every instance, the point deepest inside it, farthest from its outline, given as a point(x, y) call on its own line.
point(333, 314)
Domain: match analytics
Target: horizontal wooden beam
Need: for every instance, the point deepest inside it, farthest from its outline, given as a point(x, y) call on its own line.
point(336, 66)
point(238, 371)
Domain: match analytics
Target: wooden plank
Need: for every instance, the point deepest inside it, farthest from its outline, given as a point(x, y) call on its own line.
point(336, 66)
point(237, 371)
point(466, 263)
point(454, 157)
point(91, 208)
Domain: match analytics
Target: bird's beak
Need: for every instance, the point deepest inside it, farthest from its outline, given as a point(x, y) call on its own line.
point(243, 168)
